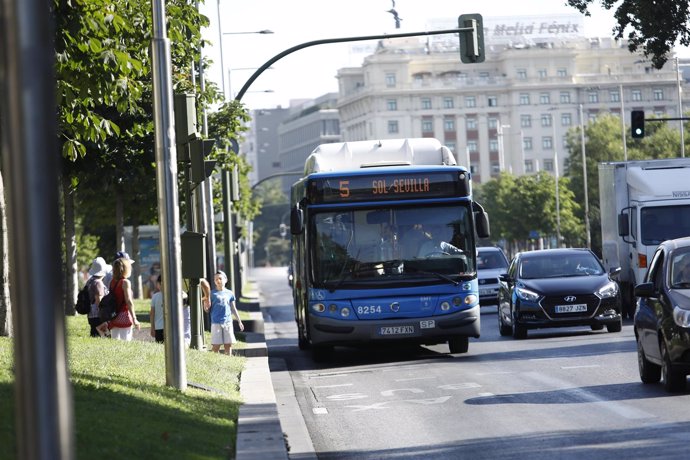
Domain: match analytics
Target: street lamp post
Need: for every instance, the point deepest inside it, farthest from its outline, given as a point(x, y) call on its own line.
point(588, 234)
point(680, 111)
point(220, 41)
point(558, 200)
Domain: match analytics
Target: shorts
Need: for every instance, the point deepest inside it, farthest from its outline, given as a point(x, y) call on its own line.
point(222, 334)
point(121, 333)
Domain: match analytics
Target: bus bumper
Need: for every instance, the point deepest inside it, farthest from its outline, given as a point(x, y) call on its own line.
point(428, 330)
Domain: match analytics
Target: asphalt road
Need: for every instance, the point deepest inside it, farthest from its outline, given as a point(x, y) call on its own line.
point(561, 393)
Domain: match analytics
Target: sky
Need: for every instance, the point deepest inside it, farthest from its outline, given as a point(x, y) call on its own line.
point(309, 73)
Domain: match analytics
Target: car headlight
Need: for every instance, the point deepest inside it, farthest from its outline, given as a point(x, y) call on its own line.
point(681, 316)
point(608, 290)
point(527, 295)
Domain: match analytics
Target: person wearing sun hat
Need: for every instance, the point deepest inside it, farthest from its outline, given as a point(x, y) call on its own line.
point(97, 290)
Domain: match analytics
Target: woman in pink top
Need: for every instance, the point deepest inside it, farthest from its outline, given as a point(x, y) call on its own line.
point(122, 288)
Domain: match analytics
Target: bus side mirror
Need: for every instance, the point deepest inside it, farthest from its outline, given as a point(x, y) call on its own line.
point(296, 221)
point(481, 222)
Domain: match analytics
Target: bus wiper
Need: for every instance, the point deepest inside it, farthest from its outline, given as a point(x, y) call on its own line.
point(436, 274)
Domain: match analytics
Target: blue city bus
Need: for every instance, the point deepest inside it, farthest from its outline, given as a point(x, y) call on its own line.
point(386, 251)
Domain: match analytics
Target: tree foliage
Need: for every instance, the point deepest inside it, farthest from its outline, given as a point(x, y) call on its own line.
point(654, 26)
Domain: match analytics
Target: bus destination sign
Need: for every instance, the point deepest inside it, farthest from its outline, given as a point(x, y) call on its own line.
point(387, 187)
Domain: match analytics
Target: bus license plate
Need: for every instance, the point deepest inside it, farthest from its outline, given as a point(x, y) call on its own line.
point(396, 330)
point(575, 308)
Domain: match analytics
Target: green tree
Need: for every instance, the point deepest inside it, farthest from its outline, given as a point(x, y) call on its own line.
point(651, 25)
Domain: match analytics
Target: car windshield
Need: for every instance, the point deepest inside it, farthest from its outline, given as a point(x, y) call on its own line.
point(385, 246)
point(559, 266)
point(491, 260)
point(680, 270)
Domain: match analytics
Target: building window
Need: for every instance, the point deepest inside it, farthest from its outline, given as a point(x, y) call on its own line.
point(524, 99)
point(593, 96)
point(426, 103)
point(390, 80)
point(614, 96)
point(472, 146)
point(492, 101)
point(449, 124)
point(562, 72)
point(548, 165)
point(522, 74)
point(492, 122)
point(392, 104)
point(392, 126)
point(493, 145)
point(545, 120)
point(529, 166)
point(542, 73)
point(495, 168)
point(451, 146)
point(544, 98)
point(427, 126)
point(658, 94)
point(525, 121)
point(448, 103)
point(276, 164)
point(547, 142)
point(565, 97)
point(470, 101)
point(527, 143)
point(566, 119)
point(471, 124)
point(636, 95)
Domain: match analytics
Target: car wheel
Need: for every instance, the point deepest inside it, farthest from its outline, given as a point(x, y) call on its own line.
point(674, 381)
point(459, 344)
point(503, 329)
point(519, 331)
point(597, 327)
point(615, 327)
point(649, 372)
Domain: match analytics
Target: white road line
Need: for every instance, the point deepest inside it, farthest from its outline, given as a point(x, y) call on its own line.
point(333, 386)
point(319, 410)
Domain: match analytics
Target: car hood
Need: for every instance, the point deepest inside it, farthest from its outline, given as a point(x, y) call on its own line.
point(680, 297)
point(566, 285)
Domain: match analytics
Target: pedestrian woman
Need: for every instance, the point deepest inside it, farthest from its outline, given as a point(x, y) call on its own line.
point(97, 291)
point(221, 310)
point(120, 327)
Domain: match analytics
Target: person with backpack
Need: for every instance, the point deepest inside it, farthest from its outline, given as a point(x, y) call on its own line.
point(96, 291)
point(120, 326)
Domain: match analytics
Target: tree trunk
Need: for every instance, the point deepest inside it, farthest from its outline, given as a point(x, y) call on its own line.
point(5, 303)
point(71, 268)
point(119, 221)
point(136, 267)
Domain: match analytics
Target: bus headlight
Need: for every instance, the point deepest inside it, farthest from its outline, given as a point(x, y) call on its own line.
point(457, 301)
point(445, 306)
point(345, 312)
point(318, 307)
point(471, 299)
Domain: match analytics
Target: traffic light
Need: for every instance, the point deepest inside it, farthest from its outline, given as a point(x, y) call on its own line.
point(471, 40)
point(201, 168)
point(637, 124)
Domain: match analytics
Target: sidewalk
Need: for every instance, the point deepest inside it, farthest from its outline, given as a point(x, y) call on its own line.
point(259, 433)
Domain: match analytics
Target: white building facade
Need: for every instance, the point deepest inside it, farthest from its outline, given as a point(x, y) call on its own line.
point(511, 112)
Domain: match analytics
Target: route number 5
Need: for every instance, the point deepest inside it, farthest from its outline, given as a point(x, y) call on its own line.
point(344, 188)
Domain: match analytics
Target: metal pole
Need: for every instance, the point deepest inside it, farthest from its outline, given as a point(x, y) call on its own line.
point(625, 141)
point(228, 241)
point(558, 199)
point(220, 41)
point(588, 234)
point(168, 216)
point(680, 111)
point(43, 408)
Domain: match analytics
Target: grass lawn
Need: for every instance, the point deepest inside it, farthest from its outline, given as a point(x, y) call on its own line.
point(122, 406)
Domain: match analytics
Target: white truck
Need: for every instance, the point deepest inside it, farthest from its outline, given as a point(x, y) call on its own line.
point(642, 203)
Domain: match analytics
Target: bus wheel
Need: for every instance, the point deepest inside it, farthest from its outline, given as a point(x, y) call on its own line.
point(302, 341)
point(459, 344)
point(321, 353)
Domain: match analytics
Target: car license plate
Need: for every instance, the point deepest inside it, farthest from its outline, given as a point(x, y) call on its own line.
point(396, 330)
point(487, 292)
point(575, 308)
point(427, 324)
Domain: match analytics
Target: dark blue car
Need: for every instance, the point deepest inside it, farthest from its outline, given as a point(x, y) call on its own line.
point(662, 318)
point(558, 288)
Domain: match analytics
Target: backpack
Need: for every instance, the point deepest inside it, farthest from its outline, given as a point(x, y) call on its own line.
point(83, 305)
point(107, 309)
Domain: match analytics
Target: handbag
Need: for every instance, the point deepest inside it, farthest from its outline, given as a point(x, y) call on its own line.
point(122, 320)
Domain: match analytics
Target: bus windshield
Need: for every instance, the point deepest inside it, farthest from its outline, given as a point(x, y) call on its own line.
point(392, 246)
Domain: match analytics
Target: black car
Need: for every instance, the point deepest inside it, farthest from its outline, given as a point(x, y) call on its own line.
point(662, 317)
point(558, 288)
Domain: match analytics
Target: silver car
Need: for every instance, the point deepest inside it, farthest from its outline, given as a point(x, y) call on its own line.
point(491, 262)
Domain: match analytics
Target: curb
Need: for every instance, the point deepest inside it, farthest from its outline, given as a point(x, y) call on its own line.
point(259, 433)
